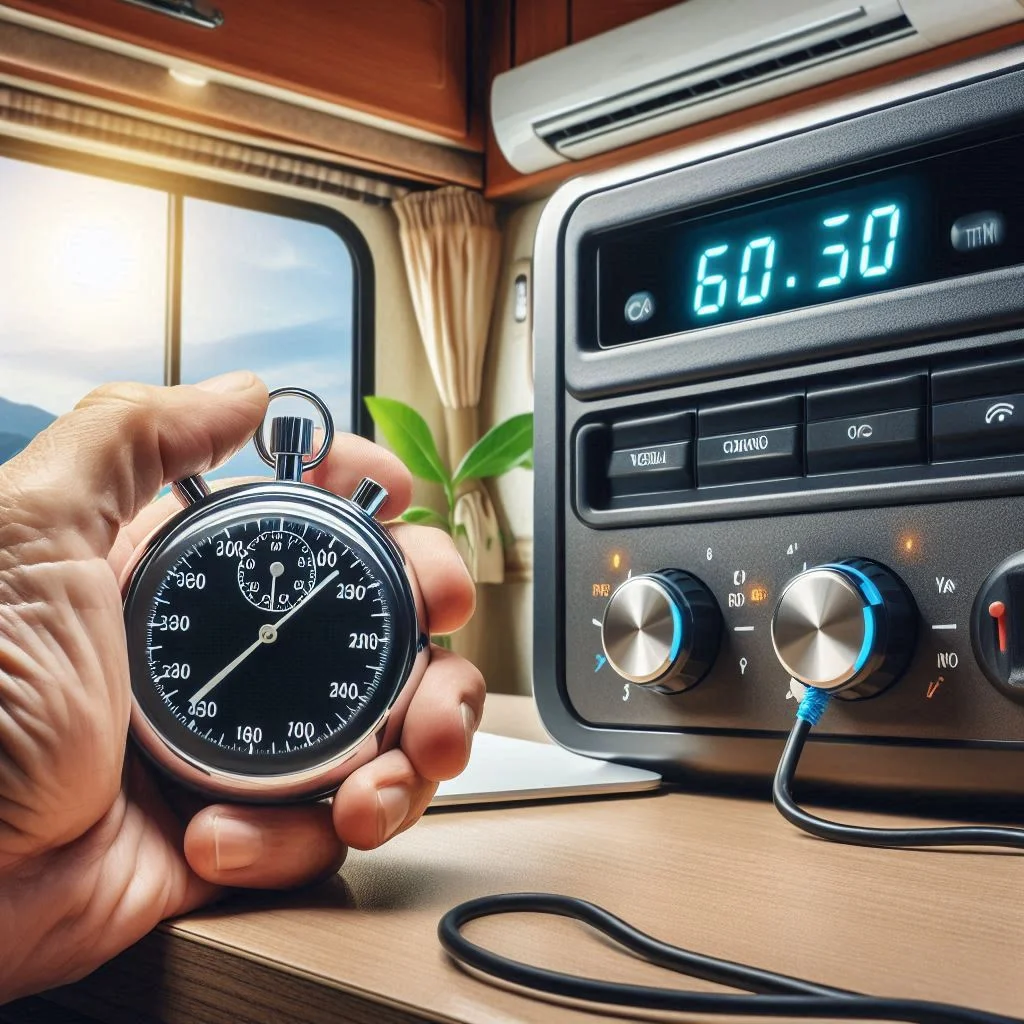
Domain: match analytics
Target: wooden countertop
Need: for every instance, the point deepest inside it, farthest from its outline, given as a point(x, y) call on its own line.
point(723, 876)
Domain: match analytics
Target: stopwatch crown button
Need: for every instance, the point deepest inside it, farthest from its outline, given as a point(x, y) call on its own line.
point(291, 435)
point(369, 496)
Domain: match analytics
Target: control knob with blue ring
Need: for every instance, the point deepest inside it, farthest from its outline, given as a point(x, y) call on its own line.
point(662, 630)
point(846, 627)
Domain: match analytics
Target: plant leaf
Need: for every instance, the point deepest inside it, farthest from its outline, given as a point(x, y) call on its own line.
point(502, 448)
point(408, 434)
point(421, 514)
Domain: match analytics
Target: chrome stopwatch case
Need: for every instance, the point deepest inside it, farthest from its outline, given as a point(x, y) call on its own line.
point(271, 629)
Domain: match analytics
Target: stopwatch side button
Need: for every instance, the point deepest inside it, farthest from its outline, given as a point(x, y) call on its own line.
point(190, 490)
point(369, 496)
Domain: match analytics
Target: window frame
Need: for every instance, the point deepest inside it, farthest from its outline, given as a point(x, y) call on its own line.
point(179, 187)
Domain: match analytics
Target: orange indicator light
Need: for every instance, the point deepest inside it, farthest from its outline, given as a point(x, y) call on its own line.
point(602, 590)
point(909, 546)
point(758, 594)
point(616, 560)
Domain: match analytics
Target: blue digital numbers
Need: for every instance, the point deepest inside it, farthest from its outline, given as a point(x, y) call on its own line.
point(835, 263)
point(836, 249)
point(766, 247)
point(892, 214)
point(705, 281)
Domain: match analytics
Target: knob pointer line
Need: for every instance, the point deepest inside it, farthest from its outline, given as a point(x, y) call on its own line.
point(268, 634)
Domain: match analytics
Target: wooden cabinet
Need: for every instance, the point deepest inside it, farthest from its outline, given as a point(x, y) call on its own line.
point(404, 60)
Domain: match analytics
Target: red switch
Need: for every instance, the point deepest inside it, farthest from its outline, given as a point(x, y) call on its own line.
point(998, 612)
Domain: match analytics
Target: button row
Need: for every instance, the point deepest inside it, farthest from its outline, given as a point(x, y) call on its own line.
point(873, 425)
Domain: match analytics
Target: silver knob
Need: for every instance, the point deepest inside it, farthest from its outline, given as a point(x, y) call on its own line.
point(662, 630)
point(847, 628)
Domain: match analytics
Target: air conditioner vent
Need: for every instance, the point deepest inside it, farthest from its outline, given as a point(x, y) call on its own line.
point(562, 137)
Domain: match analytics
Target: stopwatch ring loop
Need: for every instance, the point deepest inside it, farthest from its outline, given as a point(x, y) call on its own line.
point(325, 415)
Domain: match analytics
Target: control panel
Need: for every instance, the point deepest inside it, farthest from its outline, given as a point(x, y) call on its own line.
point(780, 443)
point(913, 614)
point(948, 419)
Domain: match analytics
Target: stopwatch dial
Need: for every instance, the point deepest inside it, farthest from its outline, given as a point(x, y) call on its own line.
point(276, 570)
point(269, 644)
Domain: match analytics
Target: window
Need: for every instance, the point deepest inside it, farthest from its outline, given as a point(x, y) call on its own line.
point(162, 279)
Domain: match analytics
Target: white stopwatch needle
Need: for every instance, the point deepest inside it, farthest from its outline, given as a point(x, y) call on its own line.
point(268, 634)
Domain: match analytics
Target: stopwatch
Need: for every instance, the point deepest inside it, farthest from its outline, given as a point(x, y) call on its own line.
point(271, 629)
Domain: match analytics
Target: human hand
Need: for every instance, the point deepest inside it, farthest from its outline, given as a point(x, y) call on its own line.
point(94, 847)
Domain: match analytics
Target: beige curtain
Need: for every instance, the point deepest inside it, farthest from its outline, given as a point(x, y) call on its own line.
point(452, 249)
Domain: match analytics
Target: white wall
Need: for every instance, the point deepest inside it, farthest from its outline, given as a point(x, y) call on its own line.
point(500, 638)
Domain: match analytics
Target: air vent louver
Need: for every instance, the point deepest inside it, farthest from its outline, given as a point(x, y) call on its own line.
point(562, 136)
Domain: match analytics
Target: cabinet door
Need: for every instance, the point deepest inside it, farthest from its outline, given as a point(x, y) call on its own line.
point(405, 60)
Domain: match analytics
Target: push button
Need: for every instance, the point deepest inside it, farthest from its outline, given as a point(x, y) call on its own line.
point(977, 380)
point(663, 467)
point(977, 231)
point(978, 428)
point(747, 441)
point(870, 396)
point(758, 455)
point(865, 442)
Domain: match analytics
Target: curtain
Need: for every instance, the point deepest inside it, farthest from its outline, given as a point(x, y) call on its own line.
point(36, 110)
point(451, 247)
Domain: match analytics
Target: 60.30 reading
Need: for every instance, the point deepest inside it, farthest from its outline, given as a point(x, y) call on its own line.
point(864, 248)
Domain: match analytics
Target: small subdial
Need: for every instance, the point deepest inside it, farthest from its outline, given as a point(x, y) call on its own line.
point(276, 571)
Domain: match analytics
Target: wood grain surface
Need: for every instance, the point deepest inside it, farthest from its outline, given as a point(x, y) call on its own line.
point(401, 59)
point(723, 876)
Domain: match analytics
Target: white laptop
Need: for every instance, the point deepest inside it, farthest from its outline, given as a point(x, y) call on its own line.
point(504, 769)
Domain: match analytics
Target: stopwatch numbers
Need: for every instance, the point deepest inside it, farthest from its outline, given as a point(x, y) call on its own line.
point(230, 549)
point(172, 623)
point(327, 558)
point(177, 670)
point(345, 691)
point(190, 580)
point(301, 731)
point(205, 709)
point(351, 592)
point(364, 641)
point(250, 734)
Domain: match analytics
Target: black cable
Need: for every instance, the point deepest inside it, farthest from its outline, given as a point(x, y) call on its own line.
point(811, 708)
point(774, 995)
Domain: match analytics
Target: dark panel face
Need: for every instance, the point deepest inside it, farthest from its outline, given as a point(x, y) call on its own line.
point(847, 391)
point(939, 217)
point(265, 642)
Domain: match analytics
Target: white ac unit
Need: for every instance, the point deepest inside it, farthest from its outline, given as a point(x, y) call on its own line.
point(703, 58)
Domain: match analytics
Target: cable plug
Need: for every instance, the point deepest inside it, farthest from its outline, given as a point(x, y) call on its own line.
point(812, 705)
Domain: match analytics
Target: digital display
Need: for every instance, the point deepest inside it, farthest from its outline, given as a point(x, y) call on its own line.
point(937, 217)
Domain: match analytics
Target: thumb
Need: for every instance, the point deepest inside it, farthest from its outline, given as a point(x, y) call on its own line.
point(93, 469)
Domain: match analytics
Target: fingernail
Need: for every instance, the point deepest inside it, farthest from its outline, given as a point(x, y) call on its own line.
point(393, 803)
point(236, 844)
point(468, 723)
point(237, 380)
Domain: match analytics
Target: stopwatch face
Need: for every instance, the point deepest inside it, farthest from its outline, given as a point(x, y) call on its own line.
point(268, 635)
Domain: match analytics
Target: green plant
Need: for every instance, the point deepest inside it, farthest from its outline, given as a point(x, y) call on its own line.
point(505, 446)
